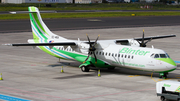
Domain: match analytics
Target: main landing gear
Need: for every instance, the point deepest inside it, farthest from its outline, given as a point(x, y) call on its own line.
point(84, 69)
point(163, 75)
point(87, 68)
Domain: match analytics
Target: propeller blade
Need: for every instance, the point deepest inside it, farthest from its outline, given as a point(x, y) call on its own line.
point(95, 57)
point(92, 49)
point(139, 43)
point(87, 57)
point(96, 40)
point(148, 41)
point(89, 40)
point(143, 38)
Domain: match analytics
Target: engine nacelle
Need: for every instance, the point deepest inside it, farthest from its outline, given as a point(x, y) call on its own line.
point(133, 42)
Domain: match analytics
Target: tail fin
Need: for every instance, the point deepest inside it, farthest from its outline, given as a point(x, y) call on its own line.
point(39, 29)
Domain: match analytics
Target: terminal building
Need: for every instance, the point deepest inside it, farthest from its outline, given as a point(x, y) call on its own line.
point(35, 1)
point(50, 1)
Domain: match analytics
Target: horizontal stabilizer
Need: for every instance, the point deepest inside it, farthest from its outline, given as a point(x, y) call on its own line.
point(42, 44)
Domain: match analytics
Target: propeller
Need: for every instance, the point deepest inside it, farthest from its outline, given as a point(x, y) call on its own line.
point(91, 49)
point(142, 43)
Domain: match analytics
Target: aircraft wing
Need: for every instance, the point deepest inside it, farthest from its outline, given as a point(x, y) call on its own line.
point(155, 37)
point(147, 38)
point(71, 43)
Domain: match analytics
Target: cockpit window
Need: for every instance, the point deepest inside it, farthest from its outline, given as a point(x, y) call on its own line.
point(160, 55)
point(167, 55)
point(163, 56)
point(152, 55)
point(156, 56)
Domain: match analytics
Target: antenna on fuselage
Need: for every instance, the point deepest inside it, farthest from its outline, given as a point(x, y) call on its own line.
point(152, 47)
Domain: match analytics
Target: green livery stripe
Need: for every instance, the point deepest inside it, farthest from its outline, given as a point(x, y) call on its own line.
point(73, 55)
point(33, 9)
point(35, 37)
point(38, 23)
point(81, 58)
point(166, 71)
point(45, 50)
point(167, 60)
point(49, 52)
point(34, 21)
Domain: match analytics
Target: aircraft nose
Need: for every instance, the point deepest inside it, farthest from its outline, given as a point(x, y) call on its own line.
point(171, 64)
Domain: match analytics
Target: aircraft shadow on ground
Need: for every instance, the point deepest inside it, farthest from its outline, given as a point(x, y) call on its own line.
point(116, 71)
point(75, 76)
point(59, 64)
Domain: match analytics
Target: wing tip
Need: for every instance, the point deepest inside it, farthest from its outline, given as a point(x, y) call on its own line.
point(7, 44)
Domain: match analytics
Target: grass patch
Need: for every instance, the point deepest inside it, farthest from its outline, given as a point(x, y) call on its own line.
point(101, 6)
point(87, 15)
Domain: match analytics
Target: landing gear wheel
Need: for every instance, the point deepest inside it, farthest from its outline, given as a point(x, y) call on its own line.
point(163, 75)
point(84, 69)
point(163, 98)
point(111, 68)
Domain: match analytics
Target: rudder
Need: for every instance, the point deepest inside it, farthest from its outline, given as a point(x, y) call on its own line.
point(39, 29)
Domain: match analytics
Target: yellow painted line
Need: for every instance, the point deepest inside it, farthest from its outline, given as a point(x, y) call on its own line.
point(176, 77)
point(130, 76)
point(138, 75)
point(152, 78)
point(133, 75)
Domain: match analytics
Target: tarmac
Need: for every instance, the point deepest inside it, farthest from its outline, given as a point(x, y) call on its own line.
point(34, 75)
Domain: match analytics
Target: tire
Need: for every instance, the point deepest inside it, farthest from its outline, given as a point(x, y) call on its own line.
point(111, 68)
point(163, 98)
point(84, 69)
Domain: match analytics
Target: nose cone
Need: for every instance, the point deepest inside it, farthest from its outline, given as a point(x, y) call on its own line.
point(170, 64)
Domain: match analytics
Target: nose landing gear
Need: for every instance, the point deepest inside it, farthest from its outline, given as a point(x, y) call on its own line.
point(163, 75)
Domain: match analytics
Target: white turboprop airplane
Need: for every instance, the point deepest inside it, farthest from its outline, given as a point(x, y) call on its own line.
point(127, 53)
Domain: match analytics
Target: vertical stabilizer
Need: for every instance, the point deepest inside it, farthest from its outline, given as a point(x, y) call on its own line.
point(39, 29)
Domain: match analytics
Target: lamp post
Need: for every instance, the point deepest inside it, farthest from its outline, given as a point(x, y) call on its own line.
point(39, 3)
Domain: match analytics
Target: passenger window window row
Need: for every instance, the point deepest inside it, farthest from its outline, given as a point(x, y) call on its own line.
point(114, 55)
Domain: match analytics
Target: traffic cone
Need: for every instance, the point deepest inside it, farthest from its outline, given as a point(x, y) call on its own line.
point(1, 77)
point(99, 74)
point(62, 71)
